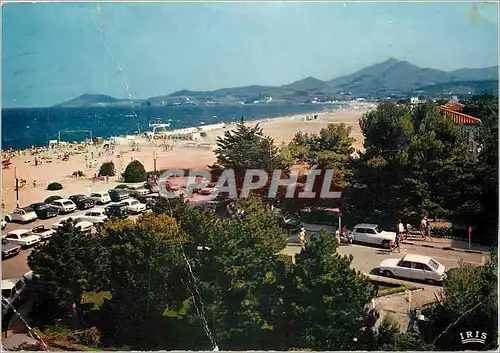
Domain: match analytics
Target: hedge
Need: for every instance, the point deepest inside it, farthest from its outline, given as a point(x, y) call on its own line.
point(54, 186)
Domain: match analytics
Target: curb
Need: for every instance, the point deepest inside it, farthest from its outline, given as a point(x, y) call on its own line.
point(446, 248)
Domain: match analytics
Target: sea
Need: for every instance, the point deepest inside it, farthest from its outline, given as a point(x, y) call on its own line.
point(23, 128)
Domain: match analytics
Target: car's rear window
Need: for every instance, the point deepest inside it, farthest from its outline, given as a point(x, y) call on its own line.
point(67, 203)
point(95, 195)
point(433, 264)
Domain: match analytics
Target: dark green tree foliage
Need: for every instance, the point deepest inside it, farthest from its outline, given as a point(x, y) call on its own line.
point(54, 186)
point(134, 173)
point(247, 148)
point(331, 300)
point(469, 303)
point(235, 271)
point(417, 161)
point(107, 169)
point(70, 264)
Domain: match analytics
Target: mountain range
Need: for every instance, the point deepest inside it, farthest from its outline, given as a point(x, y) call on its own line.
point(391, 78)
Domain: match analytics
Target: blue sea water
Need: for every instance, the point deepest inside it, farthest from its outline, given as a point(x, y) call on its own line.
point(22, 128)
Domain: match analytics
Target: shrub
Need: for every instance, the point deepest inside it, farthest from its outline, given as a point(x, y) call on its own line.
point(51, 199)
point(78, 173)
point(107, 169)
point(54, 186)
point(134, 173)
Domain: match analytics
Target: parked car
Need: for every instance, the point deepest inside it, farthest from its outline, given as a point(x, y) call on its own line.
point(13, 292)
point(118, 195)
point(152, 187)
point(23, 237)
point(414, 267)
point(119, 210)
point(79, 223)
point(44, 210)
point(137, 190)
point(9, 249)
point(4, 223)
point(64, 205)
point(22, 215)
point(149, 200)
point(97, 215)
point(134, 206)
point(371, 234)
point(43, 232)
point(100, 198)
point(82, 202)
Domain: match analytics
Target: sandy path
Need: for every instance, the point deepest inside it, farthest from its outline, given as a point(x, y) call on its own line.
point(281, 129)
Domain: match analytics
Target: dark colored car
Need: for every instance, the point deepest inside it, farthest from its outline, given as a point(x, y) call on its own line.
point(44, 210)
point(9, 249)
point(152, 187)
point(118, 195)
point(82, 202)
point(119, 210)
point(150, 200)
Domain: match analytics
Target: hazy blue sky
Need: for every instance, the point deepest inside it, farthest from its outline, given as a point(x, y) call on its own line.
point(53, 52)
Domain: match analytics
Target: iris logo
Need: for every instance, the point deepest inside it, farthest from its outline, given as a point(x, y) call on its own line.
point(473, 337)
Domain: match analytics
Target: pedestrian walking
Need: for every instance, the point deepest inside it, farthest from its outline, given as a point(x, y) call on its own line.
point(398, 242)
point(408, 229)
point(423, 227)
point(401, 228)
point(302, 237)
point(337, 237)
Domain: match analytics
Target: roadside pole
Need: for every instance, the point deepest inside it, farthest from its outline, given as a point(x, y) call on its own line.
point(409, 301)
point(470, 233)
point(17, 187)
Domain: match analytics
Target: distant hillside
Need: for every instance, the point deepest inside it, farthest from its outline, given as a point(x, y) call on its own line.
point(88, 100)
point(460, 88)
point(391, 78)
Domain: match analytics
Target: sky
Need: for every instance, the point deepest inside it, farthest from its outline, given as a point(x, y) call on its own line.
point(53, 52)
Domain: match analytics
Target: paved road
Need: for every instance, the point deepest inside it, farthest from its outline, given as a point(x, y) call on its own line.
point(17, 266)
point(366, 258)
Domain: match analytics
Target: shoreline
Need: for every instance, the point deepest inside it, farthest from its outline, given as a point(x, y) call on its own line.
point(321, 108)
point(58, 164)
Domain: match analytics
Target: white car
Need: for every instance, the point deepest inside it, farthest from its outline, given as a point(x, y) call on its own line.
point(371, 234)
point(100, 198)
point(80, 224)
point(21, 215)
point(42, 232)
point(64, 205)
point(97, 215)
point(23, 237)
point(12, 289)
point(415, 267)
point(134, 206)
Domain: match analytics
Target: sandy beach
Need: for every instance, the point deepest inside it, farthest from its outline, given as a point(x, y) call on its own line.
point(184, 154)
